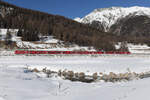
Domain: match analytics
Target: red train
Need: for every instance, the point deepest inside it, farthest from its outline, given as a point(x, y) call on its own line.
point(68, 52)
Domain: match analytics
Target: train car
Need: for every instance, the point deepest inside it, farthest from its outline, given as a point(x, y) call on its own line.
point(35, 52)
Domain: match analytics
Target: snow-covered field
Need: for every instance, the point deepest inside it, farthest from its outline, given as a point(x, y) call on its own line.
point(85, 64)
point(15, 84)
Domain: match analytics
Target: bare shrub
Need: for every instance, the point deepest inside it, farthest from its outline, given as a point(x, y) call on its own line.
point(112, 75)
point(124, 76)
point(104, 77)
point(35, 70)
point(59, 73)
point(144, 75)
point(64, 73)
point(134, 75)
point(76, 75)
point(70, 74)
point(95, 76)
point(101, 74)
point(48, 73)
point(44, 70)
point(141, 75)
point(81, 75)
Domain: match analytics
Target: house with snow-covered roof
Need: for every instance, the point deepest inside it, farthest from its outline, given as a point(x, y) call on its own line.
point(3, 33)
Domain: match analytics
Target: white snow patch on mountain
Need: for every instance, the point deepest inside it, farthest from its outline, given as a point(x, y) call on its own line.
point(77, 19)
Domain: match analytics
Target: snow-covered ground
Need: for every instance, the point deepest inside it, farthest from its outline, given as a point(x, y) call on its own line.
point(87, 64)
point(136, 48)
point(16, 84)
point(139, 48)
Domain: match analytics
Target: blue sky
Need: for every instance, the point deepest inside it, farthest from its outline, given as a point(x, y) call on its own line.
point(75, 8)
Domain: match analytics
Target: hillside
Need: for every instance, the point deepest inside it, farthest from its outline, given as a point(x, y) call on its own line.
point(32, 24)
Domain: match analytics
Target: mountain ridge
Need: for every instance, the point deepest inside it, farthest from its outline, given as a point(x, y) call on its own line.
point(109, 16)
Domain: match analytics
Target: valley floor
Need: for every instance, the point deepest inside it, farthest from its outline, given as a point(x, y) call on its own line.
point(16, 84)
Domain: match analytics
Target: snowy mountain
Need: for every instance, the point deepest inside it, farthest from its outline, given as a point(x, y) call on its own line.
point(109, 16)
